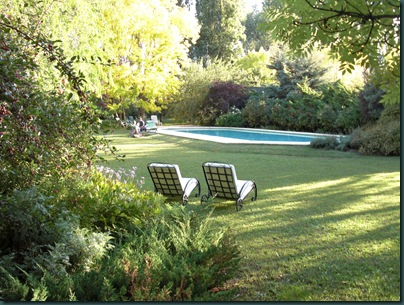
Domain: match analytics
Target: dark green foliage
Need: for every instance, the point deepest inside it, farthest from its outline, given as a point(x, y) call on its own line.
point(340, 109)
point(382, 138)
point(231, 119)
point(331, 109)
point(255, 38)
point(174, 257)
point(221, 30)
point(302, 101)
point(221, 98)
point(331, 143)
point(38, 237)
point(327, 116)
point(257, 111)
point(26, 221)
point(348, 119)
point(370, 97)
point(178, 257)
point(298, 113)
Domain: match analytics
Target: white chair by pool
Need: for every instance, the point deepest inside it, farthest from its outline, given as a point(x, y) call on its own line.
point(222, 182)
point(155, 119)
point(168, 181)
point(151, 126)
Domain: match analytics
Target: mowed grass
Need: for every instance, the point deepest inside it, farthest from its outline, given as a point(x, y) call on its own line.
point(325, 227)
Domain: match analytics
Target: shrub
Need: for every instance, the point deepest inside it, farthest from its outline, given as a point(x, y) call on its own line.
point(390, 113)
point(257, 111)
point(325, 143)
point(47, 123)
point(307, 109)
point(327, 116)
point(195, 83)
point(107, 200)
point(340, 110)
point(233, 118)
point(348, 119)
point(175, 257)
point(382, 138)
point(36, 235)
point(379, 139)
point(221, 98)
point(331, 143)
point(298, 113)
point(370, 98)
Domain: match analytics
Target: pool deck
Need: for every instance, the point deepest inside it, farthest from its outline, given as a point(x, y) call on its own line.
point(169, 130)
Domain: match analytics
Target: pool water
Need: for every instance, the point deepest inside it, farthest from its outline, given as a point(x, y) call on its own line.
point(252, 135)
point(243, 135)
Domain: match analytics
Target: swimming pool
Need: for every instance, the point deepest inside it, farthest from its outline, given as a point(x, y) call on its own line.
point(232, 135)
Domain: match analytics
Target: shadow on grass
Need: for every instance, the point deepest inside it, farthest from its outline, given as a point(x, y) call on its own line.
point(332, 242)
point(326, 225)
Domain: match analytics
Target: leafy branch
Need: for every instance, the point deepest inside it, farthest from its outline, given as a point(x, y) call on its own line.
point(342, 13)
point(356, 19)
point(54, 54)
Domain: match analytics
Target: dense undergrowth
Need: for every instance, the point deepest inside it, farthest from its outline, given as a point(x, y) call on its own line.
point(99, 238)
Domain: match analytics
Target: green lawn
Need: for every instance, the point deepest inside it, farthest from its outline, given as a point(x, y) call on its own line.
point(326, 225)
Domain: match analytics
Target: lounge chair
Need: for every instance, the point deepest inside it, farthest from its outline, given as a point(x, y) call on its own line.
point(151, 126)
point(155, 119)
point(168, 181)
point(222, 182)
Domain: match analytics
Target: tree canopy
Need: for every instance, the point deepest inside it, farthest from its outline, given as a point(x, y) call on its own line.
point(145, 42)
point(222, 32)
point(255, 38)
point(365, 33)
point(148, 41)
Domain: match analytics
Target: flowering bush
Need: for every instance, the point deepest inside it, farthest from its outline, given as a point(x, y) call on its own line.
point(122, 175)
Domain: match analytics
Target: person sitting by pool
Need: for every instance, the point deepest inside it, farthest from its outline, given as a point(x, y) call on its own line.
point(135, 132)
point(142, 124)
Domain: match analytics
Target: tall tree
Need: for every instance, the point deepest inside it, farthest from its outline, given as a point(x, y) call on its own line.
point(145, 41)
point(255, 37)
point(76, 23)
point(149, 40)
point(365, 33)
point(222, 32)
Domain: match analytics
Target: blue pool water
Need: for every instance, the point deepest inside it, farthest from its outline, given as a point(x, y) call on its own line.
point(252, 135)
point(242, 135)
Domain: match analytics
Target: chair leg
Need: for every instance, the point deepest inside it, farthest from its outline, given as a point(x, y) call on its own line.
point(199, 190)
point(239, 204)
point(204, 198)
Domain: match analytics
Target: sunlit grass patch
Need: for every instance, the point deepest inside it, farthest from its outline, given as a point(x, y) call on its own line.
point(325, 226)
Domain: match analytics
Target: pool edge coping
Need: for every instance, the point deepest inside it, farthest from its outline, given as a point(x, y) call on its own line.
point(167, 130)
